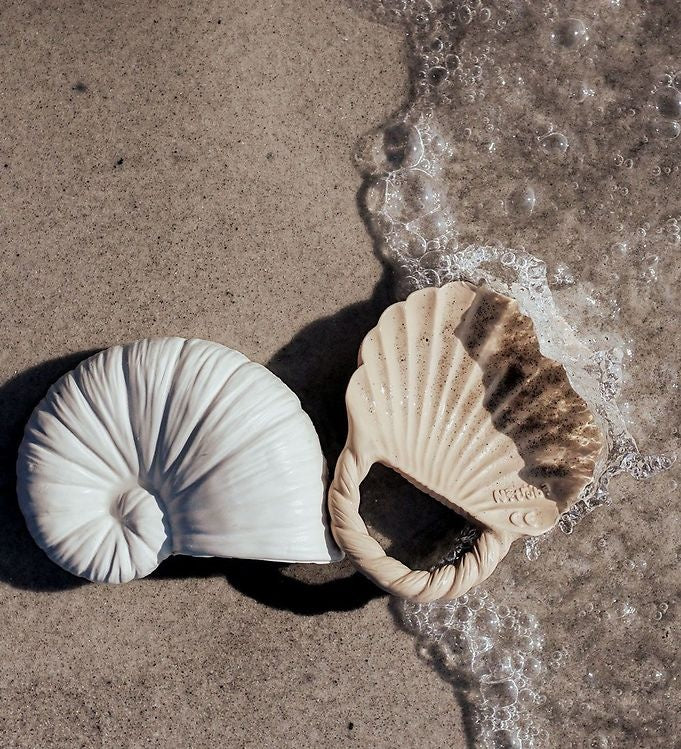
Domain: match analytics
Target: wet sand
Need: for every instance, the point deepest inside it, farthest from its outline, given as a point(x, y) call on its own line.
point(172, 170)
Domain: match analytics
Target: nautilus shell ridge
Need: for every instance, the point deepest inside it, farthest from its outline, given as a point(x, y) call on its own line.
point(171, 446)
point(453, 392)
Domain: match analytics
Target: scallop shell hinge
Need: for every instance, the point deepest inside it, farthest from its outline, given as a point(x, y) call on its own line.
point(171, 446)
point(453, 392)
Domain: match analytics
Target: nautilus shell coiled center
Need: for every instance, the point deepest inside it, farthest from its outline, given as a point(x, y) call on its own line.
point(453, 393)
point(171, 446)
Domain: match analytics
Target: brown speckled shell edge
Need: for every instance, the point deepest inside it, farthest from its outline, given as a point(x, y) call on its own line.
point(453, 393)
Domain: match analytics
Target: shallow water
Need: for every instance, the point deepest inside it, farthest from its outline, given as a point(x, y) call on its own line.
point(540, 153)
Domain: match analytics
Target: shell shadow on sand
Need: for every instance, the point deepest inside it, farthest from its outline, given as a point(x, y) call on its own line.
point(22, 563)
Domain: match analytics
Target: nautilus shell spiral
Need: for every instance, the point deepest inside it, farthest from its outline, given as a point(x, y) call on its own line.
point(171, 446)
point(453, 393)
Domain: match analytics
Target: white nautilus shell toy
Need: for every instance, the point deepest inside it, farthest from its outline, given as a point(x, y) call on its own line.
point(171, 446)
point(453, 393)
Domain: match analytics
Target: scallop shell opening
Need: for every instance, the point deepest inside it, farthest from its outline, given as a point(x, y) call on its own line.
point(414, 526)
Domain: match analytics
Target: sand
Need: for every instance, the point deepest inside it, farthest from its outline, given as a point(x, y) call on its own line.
point(169, 170)
point(175, 169)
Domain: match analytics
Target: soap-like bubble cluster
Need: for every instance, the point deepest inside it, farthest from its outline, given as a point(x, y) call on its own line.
point(554, 127)
point(407, 202)
point(493, 655)
point(525, 685)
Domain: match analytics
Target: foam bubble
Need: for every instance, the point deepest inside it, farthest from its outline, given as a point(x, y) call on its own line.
point(521, 202)
point(571, 33)
point(664, 129)
point(554, 144)
point(669, 103)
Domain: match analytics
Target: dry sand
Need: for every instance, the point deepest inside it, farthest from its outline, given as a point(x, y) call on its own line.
point(174, 170)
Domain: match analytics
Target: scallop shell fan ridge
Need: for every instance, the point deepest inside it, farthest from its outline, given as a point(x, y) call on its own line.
point(453, 392)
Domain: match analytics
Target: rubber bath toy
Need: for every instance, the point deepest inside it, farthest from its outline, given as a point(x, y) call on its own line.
point(171, 446)
point(453, 393)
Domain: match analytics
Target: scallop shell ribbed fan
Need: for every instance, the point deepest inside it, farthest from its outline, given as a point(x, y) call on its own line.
point(171, 446)
point(453, 393)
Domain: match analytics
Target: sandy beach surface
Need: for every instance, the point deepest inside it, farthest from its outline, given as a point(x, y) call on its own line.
point(179, 170)
point(169, 168)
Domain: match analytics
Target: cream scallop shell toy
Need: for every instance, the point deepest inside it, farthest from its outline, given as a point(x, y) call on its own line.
point(171, 446)
point(453, 393)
